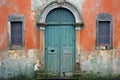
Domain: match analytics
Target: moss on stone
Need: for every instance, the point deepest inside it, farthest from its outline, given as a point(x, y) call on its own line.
point(20, 77)
point(95, 76)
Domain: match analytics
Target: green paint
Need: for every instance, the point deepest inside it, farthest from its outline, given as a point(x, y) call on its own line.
point(60, 43)
point(94, 64)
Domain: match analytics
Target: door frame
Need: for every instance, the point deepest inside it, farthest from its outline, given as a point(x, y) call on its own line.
point(56, 4)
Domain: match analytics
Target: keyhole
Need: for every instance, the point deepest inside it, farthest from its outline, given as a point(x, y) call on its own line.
point(52, 50)
point(63, 73)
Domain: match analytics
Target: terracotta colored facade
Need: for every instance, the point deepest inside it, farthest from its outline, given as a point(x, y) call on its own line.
point(32, 53)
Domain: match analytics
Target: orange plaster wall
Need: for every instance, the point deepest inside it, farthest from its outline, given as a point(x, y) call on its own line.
point(18, 7)
point(41, 42)
point(90, 9)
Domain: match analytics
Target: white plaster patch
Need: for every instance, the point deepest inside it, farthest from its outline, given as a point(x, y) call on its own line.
point(77, 3)
point(36, 4)
point(37, 65)
point(0, 61)
point(2, 39)
point(32, 16)
point(49, 1)
point(104, 56)
point(31, 56)
point(118, 17)
point(2, 2)
point(96, 5)
point(16, 8)
point(78, 49)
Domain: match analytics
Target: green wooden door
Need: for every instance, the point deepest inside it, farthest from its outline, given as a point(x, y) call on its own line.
point(60, 43)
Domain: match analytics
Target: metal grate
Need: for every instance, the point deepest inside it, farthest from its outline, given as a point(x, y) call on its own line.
point(104, 33)
point(16, 33)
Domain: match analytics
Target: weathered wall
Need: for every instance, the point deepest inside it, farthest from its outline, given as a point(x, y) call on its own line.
point(14, 63)
point(8, 7)
point(25, 61)
point(101, 61)
point(18, 62)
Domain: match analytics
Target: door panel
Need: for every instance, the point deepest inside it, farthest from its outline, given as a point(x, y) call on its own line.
point(68, 50)
point(60, 43)
point(52, 49)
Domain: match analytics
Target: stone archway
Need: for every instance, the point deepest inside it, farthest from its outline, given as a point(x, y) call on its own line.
point(60, 4)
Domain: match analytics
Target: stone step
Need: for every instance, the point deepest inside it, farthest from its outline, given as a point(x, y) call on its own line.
point(59, 79)
point(43, 76)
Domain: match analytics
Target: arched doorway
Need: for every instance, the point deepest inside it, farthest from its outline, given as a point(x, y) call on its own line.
point(60, 42)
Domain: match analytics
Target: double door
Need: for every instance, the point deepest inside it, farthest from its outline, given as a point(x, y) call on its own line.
point(60, 43)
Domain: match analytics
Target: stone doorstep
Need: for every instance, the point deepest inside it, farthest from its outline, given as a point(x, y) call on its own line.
point(58, 79)
point(43, 76)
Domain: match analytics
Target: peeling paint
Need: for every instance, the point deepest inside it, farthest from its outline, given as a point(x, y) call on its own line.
point(36, 4)
point(97, 62)
point(2, 39)
point(39, 4)
point(118, 17)
point(2, 2)
point(77, 3)
point(18, 63)
point(88, 59)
